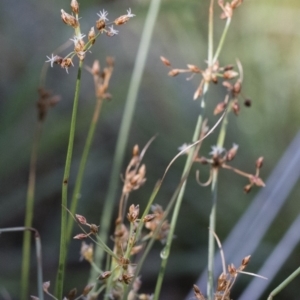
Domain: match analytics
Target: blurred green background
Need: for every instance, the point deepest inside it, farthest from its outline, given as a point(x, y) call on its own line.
point(264, 35)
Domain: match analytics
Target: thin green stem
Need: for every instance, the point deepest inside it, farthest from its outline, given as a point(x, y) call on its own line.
point(211, 33)
point(38, 247)
point(63, 241)
point(212, 217)
point(222, 40)
point(284, 283)
point(79, 178)
point(185, 174)
point(29, 214)
point(211, 239)
point(125, 126)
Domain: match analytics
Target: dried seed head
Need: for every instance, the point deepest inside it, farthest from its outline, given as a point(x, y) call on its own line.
point(232, 152)
point(235, 3)
point(235, 107)
point(222, 282)
point(259, 162)
point(174, 72)
point(125, 18)
point(194, 68)
point(127, 278)
point(214, 78)
point(87, 252)
point(165, 61)
point(220, 107)
point(247, 188)
point(87, 289)
point(229, 74)
point(228, 85)
point(81, 219)
point(149, 218)
point(68, 19)
point(80, 236)
point(136, 249)
point(72, 294)
point(94, 228)
point(232, 270)
point(96, 68)
point(228, 67)
point(104, 275)
point(66, 63)
point(100, 24)
point(245, 262)
point(133, 213)
point(92, 36)
point(136, 151)
point(46, 286)
point(198, 293)
point(237, 87)
point(75, 6)
point(198, 92)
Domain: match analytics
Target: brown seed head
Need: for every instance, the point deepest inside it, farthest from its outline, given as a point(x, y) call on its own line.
point(68, 19)
point(237, 87)
point(81, 219)
point(235, 107)
point(232, 270)
point(80, 236)
point(87, 289)
point(75, 6)
point(165, 61)
point(194, 68)
point(198, 293)
point(136, 151)
point(247, 188)
point(232, 152)
point(104, 275)
point(133, 213)
point(92, 35)
point(121, 20)
point(220, 107)
point(100, 24)
point(94, 229)
point(149, 218)
point(259, 162)
point(174, 72)
point(96, 68)
point(230, 74)
point(72, 294)
point(245, 262)
point(46, 286)
point(127, 278)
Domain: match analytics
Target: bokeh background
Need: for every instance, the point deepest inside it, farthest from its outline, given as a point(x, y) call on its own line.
point(264, 35)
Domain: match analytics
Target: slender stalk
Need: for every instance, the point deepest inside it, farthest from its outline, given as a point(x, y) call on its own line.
point(185, 174)
point(212, 217)
point(284, 283)
point(125, 126)
point(63, 241)
point(211, 240)
point(29, 214)
point(79, 178)
point(210, 33)
point(222, 40)
point(38, 255)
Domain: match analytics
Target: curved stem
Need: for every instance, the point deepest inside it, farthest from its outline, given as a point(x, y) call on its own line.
point(63, 241)
point(284, 283)
point(125, 126)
